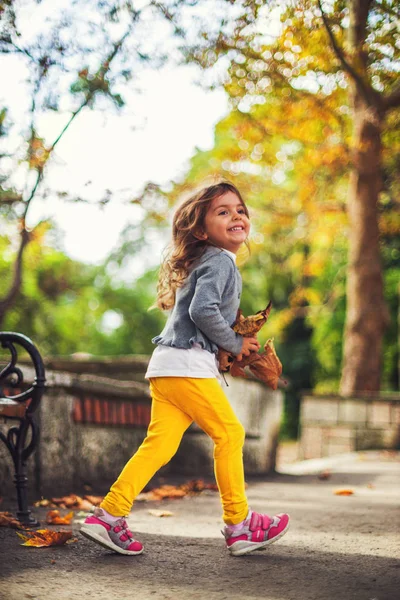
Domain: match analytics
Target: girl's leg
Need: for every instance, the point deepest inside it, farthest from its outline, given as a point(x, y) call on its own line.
point(167, 426)
point(206, 404)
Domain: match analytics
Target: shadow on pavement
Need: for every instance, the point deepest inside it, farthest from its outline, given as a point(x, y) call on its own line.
point(174, 567)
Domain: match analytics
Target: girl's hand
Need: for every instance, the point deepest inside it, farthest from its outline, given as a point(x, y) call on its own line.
point(250, 344)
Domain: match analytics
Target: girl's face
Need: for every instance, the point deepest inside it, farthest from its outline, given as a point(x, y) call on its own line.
point(226, 224)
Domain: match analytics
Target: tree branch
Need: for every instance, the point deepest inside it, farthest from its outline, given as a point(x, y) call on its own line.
point(370, 95)
point(10, 297)
point(15, 49)
point(101, 73)
point(39, 177)
point(169, 17)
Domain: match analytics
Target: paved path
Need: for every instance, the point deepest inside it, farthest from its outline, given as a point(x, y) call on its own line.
point(338, 547)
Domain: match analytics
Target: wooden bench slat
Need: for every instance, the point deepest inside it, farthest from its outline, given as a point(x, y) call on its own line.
point(10, 408)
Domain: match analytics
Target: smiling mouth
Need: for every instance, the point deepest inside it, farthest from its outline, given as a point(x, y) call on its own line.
point(237, 228)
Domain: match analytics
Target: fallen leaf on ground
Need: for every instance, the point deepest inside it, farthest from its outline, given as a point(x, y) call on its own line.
point(95, 500)
point(166, 492)
point(344, 492)
point(71, 501)
point(160, 513)
point(53, 517)
point(45, 538)
point(42, 502)
point(8, 520)
point(196, 486)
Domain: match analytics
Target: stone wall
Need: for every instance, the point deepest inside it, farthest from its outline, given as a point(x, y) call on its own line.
point(334, 425)
point(87, 433)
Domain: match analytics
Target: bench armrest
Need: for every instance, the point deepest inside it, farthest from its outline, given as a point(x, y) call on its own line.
point(11, 375)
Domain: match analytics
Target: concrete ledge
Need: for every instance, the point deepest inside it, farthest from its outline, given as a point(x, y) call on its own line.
point(333, 424)
point(76, 451)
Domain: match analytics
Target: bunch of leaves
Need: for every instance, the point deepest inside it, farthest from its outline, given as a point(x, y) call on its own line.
point(265, 366)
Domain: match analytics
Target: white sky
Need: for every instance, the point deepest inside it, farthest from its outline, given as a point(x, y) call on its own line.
point(173, 116)
point(176, 117)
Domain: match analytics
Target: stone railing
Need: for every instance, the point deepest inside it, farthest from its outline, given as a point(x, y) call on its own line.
point(334, 425)
point(92, 423)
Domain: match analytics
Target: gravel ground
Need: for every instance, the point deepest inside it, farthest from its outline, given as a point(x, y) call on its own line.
point(338, 547)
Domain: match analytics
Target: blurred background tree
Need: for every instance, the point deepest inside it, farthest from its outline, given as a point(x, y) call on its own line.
point(312, 140)
point(311, 136)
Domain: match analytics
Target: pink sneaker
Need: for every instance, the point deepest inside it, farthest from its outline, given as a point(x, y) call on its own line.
point(115, 536)
point(258, 532)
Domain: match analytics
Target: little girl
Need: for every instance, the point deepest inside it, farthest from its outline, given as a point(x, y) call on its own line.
point(201, 285)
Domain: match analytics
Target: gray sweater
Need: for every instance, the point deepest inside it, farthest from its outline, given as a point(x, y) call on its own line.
point(206, 306)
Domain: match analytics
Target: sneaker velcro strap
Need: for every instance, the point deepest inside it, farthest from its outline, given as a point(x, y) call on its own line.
point(259, 521)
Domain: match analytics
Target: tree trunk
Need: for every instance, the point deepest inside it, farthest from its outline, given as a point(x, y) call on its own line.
point(8, 301)
point(366, 314)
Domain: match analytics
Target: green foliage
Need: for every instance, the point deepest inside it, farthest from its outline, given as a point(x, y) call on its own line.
point(138, 324)
point(63, 302)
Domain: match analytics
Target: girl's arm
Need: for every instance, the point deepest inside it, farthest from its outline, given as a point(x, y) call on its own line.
point(213, 280)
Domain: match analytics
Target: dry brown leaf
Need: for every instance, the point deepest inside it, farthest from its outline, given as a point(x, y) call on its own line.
point(8, 520)
point(95, 500)
point(266, 366)
point(53, 517)
point(166, 492)
point(343, 492)
point(71, 501)
point(249, 326)
point(160, 513)
point(43, 502)
point(169, 491)
point(45, 537)
point(196, 486)
point(225, 360)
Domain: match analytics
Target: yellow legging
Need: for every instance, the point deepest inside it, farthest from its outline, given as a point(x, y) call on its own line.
point(176, 403)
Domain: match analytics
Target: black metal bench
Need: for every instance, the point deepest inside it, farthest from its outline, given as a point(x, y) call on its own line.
point(18, 402)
